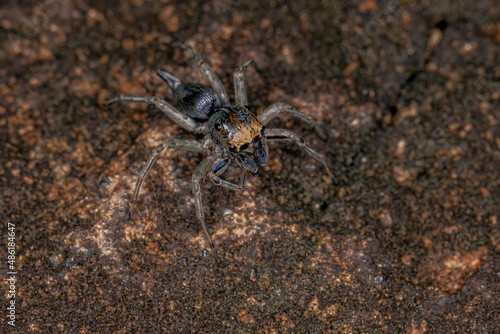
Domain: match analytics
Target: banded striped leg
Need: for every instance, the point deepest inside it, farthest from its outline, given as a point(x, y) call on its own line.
point(175, 115)
point(209, 74)
point(274, 109)
point(176, 144)
point(282, 134)
point(239, 83)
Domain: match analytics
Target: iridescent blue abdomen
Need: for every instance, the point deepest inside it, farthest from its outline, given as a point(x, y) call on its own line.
point(197, 101)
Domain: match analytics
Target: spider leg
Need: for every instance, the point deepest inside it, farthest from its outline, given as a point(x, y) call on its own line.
point(176, 144)
point(218, 167)
point(172, 81)
point(212, 167)
point(274, 109)
point(198, 176)
point(175, 115)
point(282, 134)
point(239, 83)
point(208, 72)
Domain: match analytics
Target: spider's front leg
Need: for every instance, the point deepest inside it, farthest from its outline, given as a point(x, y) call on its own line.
point(239, 84)
point(175, 115)
point(176, 144)
point(211, 167)
point(276, 108)
point(208, 72)
point(218, 167)
point(282, 134)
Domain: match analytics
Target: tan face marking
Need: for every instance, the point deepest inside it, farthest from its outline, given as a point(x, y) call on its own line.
point(237, 127)
point(245, 134)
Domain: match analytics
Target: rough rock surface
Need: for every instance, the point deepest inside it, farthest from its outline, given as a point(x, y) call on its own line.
point(404, 239)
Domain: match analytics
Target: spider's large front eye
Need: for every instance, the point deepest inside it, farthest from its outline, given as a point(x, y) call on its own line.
point(218, 126)
point(256, 139)
point(232, 148)
point(243, 147)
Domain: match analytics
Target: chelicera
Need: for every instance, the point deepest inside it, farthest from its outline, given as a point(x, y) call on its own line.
point(231, 131)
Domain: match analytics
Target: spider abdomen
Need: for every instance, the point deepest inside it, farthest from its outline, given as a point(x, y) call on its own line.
point(197, 101)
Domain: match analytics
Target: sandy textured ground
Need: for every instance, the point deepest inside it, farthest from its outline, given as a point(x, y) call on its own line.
point(404, 239)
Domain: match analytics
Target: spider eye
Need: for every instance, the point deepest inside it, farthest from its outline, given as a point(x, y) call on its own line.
point(218, 126)
point(256, 139)
point(243, 147)
point(232, 148)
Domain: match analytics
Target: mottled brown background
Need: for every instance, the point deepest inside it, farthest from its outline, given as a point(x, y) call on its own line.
point(405, 240)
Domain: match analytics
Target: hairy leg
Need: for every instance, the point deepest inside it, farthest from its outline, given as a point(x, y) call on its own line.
point(276, 108)
point(172, 81)
point(282, 134)
point(176, 144)
point(175, 115)
point(239, 83)
point(198, 176)
point(212, 168)
point(218, 167)
point(209, 74)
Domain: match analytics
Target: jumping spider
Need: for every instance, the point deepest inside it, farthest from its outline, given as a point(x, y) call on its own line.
point(232, 131)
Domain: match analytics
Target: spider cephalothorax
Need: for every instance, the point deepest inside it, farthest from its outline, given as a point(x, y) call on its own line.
point(238, 130)
point(233, 131)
